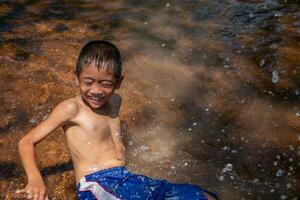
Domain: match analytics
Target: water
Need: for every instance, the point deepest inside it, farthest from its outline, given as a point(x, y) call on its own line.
point(207, 83)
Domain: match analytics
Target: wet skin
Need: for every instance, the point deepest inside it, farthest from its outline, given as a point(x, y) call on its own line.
point(92, 126)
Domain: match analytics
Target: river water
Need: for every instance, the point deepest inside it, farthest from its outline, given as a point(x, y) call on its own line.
point(210, 96)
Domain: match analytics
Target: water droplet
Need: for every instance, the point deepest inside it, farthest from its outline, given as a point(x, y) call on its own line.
point(262, 62)
point(45, 117)
point(234, 151)
point(228, 168)
point(144, 147)
point(279, 173)
point(255, 180)
point(221, 178)
point(33, 121)
point(275, 77)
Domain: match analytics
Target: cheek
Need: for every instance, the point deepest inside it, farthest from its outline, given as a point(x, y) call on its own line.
point(107, 92)
point(84, 88)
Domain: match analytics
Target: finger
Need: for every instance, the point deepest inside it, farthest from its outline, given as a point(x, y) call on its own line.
point(21, 190)
point(47, 198)
point(42, 196)
point(36, 195)
point(30, 194)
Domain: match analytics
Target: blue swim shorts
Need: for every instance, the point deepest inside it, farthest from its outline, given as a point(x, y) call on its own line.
point(118, 183)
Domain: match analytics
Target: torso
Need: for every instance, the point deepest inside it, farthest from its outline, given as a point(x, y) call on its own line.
point(94, 140)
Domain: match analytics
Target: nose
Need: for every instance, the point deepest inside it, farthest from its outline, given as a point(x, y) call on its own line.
point(96, 90)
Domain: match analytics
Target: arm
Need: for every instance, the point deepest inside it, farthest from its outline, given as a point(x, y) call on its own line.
point(62, 113)
point(115, 127)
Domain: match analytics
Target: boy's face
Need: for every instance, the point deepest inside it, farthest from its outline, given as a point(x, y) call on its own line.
point(97, 85)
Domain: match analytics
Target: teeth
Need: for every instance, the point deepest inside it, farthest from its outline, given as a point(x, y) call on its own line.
point(96, 98)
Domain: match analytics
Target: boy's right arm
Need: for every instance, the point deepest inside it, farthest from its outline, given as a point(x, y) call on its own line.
point(35, 188)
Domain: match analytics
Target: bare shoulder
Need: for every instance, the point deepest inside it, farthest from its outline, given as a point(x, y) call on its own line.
point(69, 106)
point(115, 102)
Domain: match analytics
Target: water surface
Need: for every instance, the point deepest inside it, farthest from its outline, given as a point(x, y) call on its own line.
point(210, 96)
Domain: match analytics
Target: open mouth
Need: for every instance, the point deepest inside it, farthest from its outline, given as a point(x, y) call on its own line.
point(96, 99)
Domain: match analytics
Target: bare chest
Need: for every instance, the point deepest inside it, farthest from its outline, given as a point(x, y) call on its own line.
point(92, 125)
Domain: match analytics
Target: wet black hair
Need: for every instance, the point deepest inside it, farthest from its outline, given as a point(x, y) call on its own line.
point(102, 54)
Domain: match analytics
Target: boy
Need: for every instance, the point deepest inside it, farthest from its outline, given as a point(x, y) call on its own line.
point(93, 131)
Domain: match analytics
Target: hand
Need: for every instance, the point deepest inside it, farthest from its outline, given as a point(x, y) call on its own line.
point(35, 190)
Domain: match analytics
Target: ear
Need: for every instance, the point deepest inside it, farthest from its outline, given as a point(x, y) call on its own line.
point(119, 82)
point(76, 78)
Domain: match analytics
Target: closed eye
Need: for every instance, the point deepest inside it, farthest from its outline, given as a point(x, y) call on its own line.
point(88, 83)
point(107, 85)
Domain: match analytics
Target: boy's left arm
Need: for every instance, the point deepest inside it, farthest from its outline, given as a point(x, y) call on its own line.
point(116, 128)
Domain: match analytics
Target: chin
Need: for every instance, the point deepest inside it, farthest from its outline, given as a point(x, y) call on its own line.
point(95, 106)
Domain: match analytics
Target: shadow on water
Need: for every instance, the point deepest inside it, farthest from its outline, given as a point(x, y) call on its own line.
point(13, 170)
point(211, 94)
point(9, 170)
point(57, 168)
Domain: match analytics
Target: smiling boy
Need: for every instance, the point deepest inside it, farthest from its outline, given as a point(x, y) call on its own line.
point(93, 130)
